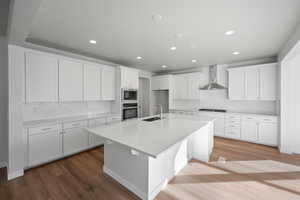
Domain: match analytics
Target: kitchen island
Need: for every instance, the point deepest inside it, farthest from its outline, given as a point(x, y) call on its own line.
point(143, 156)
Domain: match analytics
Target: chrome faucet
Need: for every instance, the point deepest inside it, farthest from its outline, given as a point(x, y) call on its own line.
point(161, 111)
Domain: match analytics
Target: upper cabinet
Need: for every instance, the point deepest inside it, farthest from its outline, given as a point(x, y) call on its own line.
point(253, 82)
point(70, 81)
point(161, 82)
point(129, 78)
point(187, 86)
point(92, 82)
point(41, 78)
point(108, 83)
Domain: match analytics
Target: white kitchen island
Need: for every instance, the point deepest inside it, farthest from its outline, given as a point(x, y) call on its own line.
point(144, 156)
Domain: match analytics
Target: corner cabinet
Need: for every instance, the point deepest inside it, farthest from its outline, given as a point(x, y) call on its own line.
point(253, 82)
point(70, 81)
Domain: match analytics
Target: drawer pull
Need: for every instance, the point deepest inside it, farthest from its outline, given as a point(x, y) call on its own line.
point(46, 129)
point(77, 124)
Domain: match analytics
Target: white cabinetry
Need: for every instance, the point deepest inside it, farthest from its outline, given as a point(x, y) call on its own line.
point(268, 83)
point(44, 144)
point(108, 83)
point(233, 126)
point(41, 78)
point(253, 82)
point(129, 78)
point(268, 132)
point(236, 85)
point(95, 140)
point(70, 81)
point(92, 82)
point(187, 86)
point(249, 129)
point(161, 82)
point(75, 138)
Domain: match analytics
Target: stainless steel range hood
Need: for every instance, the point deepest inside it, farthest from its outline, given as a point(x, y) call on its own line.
point(213, 80)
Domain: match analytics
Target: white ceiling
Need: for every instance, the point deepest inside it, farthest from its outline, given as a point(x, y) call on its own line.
point(124, 29)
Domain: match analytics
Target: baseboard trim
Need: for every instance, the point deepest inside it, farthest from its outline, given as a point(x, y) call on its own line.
point(16, 174)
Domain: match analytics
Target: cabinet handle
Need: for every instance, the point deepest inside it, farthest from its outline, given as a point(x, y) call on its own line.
point(46, 129)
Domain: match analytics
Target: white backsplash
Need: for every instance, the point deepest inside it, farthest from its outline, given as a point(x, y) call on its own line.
point(57, 110)
point(218, 99)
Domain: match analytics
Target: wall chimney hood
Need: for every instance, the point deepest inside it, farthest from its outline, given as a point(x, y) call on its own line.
point(214, 83)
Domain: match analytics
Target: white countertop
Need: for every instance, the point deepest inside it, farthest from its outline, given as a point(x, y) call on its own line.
point(228, 112)
point(152, 138)
point(34, 123)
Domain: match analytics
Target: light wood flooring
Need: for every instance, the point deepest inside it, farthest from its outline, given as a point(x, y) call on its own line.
point(237, 171)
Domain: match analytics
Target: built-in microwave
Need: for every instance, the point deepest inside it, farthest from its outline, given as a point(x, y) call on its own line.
point(129, 95)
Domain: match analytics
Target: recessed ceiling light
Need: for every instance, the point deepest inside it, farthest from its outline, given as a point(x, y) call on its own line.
point(93, 41)
point(236, 53)
point(194, 61)
point(164, 66)
point(230, 32)
point(173, 48)
point(139, 57)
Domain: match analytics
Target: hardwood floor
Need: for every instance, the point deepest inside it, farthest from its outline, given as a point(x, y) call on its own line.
point(237, 170)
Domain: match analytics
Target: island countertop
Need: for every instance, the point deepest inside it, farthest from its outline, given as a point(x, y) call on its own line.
point(152, 138)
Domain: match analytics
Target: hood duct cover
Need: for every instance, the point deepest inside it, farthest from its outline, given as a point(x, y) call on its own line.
point(213, 82)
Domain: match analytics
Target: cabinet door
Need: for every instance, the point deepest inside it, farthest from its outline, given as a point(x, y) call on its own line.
point(70, 81)
point(164, 82)
point(252, 84)
point(181, 87)
point(219, 127)
point(44, 147)
point(92, 83)
point(74, 140)
point(268, 133)
point(194, 85)
point(155, 83)
point(108, 83)
point(41, 78)
point(249, 130)
point(134, 79)
point(236, 86)
point(268, 76)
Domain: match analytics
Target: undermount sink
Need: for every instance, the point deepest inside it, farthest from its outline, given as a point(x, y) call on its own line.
point(151, 119)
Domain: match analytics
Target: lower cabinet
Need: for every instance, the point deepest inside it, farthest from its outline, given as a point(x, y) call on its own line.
point(44, 147)
point(75, 140)
point(268, 133)
point(249, 129)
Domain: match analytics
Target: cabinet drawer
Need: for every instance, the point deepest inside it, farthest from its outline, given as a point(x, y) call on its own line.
point(268, 119)
point(43, 129)
point(97, 122)
point(114, 119)
point(233, 118)
point(75, 124)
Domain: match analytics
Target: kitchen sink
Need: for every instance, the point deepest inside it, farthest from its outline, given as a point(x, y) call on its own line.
point(151, 119)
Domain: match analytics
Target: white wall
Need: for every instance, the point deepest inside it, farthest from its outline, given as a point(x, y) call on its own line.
point(3, 101)
point(219, 99)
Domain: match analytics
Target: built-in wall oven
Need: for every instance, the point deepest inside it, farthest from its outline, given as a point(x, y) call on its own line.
point(129, 110)
point(129, 95)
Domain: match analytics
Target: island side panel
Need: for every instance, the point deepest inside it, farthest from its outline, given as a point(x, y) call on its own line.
point(129, 170)
point(166, 166)
point(201, 142)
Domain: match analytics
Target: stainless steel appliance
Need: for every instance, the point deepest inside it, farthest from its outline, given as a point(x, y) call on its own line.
point(129, 110)
point(129, 95)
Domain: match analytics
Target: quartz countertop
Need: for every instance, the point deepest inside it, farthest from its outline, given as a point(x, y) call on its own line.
point(152, 138)
point(88, 116)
